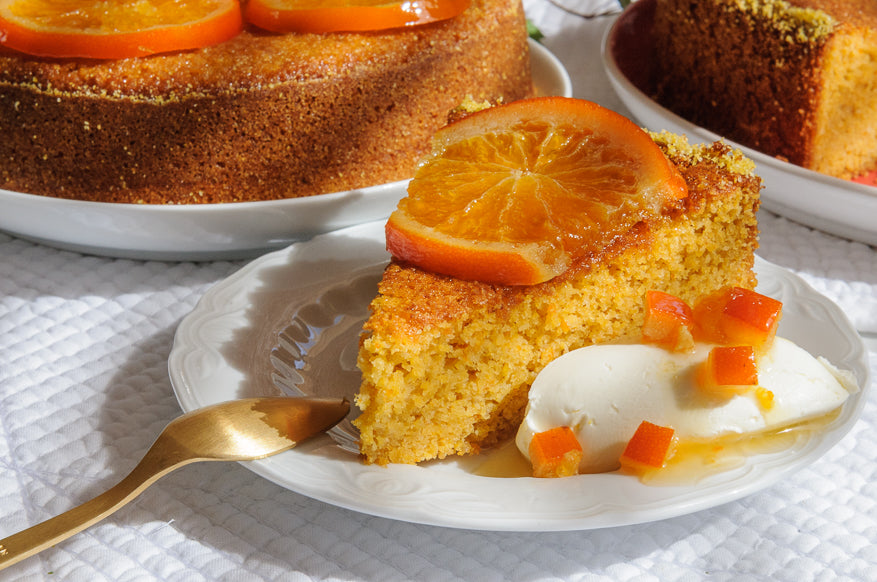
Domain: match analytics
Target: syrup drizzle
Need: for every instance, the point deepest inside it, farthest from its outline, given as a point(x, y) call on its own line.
point(693, 461)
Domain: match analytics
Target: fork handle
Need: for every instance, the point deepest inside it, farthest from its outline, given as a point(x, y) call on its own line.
point(34, 539)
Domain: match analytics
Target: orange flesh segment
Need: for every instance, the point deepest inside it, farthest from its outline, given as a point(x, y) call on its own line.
point(113, 30)
point(668, 322)
point(320, 16)
point(555, 453)
point(649, 448)
point(513, 194)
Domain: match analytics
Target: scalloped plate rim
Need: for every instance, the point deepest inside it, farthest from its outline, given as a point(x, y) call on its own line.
point(441, 493)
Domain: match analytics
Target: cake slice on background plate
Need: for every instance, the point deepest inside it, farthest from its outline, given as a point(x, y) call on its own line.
point(795, 79)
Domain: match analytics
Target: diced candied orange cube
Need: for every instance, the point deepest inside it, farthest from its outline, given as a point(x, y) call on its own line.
point(706, 314)
point(750, 318)
point(668, 322)
point(649, 448)
point(728, 370)
point(737, 316)
point(555, 453)
point(734, 365)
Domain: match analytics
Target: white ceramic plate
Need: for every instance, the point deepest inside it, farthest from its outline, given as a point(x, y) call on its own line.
point(840, 207)
point(216, 231)
point(310, 299)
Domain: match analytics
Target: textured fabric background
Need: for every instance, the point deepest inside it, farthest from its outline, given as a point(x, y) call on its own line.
point(84, 390)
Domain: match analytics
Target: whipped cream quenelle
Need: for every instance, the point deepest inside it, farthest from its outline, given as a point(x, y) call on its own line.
point(603, 392)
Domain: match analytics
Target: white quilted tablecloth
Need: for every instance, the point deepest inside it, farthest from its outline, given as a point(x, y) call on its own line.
point(84, 390)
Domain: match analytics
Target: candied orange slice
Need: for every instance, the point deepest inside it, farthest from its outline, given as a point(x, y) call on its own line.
point(513, 194)
point(347, 15)
point(101, 29)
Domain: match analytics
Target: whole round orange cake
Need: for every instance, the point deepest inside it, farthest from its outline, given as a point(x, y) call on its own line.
point(260, 117)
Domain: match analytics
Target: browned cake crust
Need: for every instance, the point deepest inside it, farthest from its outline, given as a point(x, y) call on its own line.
point(259, 117)
point(794, 79)
point(447, 364)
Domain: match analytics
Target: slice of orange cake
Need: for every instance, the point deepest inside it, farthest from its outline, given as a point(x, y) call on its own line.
point(574, 213)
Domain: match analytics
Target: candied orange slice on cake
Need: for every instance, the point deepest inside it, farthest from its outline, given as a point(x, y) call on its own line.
point(513, 194)
point(101, 29)
point(347, 15)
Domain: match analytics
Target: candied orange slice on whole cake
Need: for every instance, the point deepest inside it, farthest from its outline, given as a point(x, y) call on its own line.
point(513, 194)
point(107, 29)
point(348, 15)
